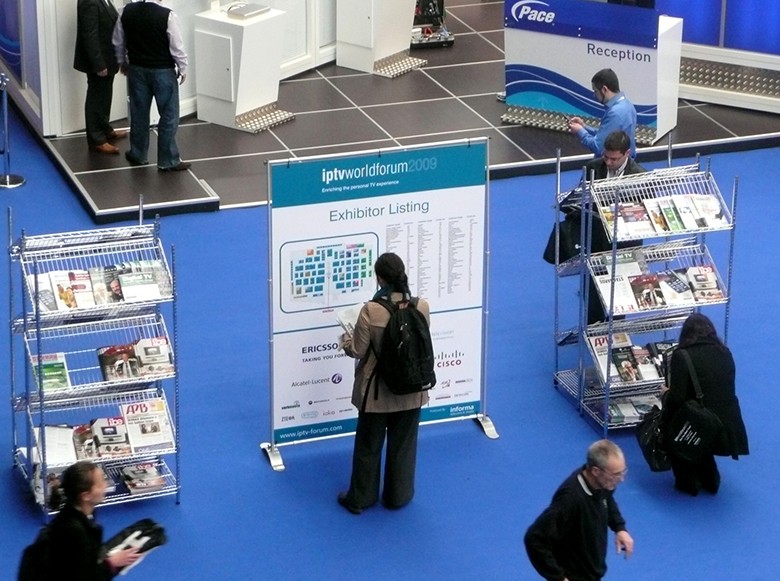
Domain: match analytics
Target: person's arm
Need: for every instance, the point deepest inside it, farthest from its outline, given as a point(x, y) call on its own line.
point(176, 46)
point(358, 344)
point(677, 380)
point(623, 541)
point(542, 536)
point(593, 138)
point(88, 27)
point(118, 40)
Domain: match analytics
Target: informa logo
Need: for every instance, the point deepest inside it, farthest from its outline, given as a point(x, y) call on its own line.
point(532, 10)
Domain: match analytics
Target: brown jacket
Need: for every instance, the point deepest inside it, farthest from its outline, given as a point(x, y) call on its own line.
point(369, 331)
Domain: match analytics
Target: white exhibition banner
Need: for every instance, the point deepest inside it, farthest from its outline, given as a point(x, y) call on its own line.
point(330, 218)
point(554, 47)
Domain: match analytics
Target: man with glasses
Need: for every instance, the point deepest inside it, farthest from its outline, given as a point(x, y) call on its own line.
point(568, 541)
point(619, 114)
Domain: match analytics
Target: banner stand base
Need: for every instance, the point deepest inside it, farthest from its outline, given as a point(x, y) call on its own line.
point(274, 456)
point(11, 181)
point(487, 426)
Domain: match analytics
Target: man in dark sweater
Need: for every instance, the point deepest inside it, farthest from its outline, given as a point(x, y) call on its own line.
point(568, 541)
point(148, 45)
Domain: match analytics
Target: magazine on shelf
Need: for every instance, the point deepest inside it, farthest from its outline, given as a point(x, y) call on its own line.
point(54, 371)
point(675, 288)
point(644, 403)
point(59, 445)
point(63, 293)
point(139, 286)
point(689, 213)
point(84, 442)
point(644, 363)
point(600, 345)
point(636, 220)
point(158, 271)
point(106, 286)
point(704, 283)
point(348, 317)
point(45, 297)
point(627, 262)
point(624, 296)
point(656, 215)
point(622, 411)
point(658, 354)
point(671, 216)
point(110, 436)
point(148, 426)
point(647, 291)
point(81, 286)
point(143, 358)
point(626, 365)
point(710, 210)
point(143, 477)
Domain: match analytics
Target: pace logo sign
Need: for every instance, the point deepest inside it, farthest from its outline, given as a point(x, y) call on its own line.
point(532, 10)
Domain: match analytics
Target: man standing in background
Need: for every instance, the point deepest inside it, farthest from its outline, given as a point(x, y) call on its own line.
point(95, 57)
point(620, 114)
point(149, 49)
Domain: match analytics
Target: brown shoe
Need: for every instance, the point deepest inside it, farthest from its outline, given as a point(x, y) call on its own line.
point(117, 135)
point(106, 148)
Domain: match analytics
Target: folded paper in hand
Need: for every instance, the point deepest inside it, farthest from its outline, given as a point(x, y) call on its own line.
point(348, 317)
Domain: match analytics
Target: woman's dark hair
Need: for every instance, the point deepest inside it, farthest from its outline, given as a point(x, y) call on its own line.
point(76, 479)
point(390, 268)
point(699, 329)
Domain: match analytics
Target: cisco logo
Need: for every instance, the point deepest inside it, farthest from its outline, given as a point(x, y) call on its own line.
point(319, 348)
point(452, 359)
point(310, 415)
point(336, 378)
point(530, 10)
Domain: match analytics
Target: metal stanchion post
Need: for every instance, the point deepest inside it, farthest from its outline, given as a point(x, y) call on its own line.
point(7, 179)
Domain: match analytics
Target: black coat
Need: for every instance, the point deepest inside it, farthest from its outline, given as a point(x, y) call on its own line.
point(716, 371)
point(76, 543)
point(94, 50)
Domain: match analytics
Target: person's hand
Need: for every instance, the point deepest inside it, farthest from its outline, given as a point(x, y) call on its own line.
point(182, 77)
point(103, 73)
point(575, 124)
point(123, 558)
point(344, 339)
point(624, 543)
point(664, 388)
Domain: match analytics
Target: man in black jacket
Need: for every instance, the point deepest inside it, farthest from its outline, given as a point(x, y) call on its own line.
point(94, 56)
point(568, 541)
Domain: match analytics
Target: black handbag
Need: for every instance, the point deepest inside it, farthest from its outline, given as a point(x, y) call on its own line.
point(648, 434)
point(569, 231)
point(694, 431)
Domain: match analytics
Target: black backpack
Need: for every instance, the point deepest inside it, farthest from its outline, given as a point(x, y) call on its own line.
point(34, 565)
point(406, 361)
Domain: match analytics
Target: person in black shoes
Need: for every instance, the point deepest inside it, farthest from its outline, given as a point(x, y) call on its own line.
point(714, 366)
point(75, 537)
point(382, 415)
point(149, 49)
point(568, 541)
point(94, 55)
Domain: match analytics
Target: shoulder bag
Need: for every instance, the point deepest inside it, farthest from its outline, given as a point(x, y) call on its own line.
point(694, 431)
point(648, 434)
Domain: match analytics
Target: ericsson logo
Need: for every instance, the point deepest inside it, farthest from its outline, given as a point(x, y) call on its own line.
point(530, 10)
point(449, 359)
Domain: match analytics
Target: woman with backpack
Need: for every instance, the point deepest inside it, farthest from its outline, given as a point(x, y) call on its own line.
point(382, 414)
point(714, 367)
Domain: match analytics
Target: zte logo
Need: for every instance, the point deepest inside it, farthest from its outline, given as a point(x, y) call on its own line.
point(529, 10)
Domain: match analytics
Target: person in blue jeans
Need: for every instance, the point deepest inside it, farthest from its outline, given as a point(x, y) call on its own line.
point(150, 52)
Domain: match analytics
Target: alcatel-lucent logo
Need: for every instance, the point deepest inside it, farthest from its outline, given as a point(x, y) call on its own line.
point(531, 10)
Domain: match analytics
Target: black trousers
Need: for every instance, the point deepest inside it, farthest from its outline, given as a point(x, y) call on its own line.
point(97, 108)
point(401, 429)
point(690, 476)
